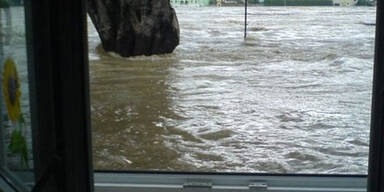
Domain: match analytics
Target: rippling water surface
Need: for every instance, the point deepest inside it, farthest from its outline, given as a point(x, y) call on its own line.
point(292, 98)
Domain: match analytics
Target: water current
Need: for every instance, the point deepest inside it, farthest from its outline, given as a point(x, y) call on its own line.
point(294, 97)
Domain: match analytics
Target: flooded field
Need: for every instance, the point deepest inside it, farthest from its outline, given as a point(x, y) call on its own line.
point(292, 98)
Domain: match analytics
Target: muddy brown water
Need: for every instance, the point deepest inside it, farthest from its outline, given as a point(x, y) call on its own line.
point(293, 98)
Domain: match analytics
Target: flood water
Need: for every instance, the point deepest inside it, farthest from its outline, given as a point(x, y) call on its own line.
point(293, 98)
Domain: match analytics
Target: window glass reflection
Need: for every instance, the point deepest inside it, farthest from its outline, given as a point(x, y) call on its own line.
point(15, 111)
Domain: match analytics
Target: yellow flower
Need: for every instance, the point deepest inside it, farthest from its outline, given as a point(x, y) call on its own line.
point(11, 90)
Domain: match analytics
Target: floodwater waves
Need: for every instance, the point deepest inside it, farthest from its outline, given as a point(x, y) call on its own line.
point(294, 97)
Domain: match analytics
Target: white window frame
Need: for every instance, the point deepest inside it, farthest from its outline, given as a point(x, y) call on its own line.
point(175, 182)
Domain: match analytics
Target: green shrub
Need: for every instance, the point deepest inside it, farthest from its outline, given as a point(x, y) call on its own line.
point(364, 3)
point(15, 2)
point(4, 4)
point(298, 2)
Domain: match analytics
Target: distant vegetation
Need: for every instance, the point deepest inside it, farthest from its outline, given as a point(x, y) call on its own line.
point(213, 2)
point(16, 2)
point(298, 2)
point(7, 3)
point(4, 4)
point(365, 3)
point(288, 2)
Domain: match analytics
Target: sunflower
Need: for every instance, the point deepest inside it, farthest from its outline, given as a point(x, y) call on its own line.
point(11, 90)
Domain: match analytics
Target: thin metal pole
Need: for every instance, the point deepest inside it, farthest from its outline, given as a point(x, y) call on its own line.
point(245, 19)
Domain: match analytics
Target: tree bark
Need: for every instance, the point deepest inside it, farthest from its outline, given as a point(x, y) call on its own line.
point(135, 27)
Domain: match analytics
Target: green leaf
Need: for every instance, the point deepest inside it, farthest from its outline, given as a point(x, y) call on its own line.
point(18, 144)
point(22, 120)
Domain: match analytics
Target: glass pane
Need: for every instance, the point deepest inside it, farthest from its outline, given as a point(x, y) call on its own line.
point(15, 107)
point(293, 97)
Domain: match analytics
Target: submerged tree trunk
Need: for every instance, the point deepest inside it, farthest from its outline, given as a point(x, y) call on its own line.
point(135, 27)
